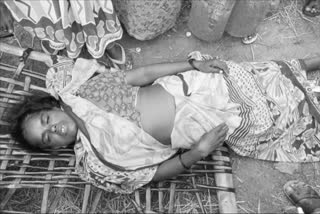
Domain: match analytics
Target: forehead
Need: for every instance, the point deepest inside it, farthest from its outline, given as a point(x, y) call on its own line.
point(32, 128)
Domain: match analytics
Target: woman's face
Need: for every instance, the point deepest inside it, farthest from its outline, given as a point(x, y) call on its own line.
point(50, 129)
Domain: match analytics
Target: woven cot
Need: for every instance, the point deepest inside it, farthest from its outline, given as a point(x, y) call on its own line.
point(53, 174)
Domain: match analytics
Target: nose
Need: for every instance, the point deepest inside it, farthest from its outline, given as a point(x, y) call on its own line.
point(52, 128)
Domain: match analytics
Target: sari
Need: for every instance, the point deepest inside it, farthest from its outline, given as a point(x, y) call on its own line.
point(69, 24)
point(270, 107)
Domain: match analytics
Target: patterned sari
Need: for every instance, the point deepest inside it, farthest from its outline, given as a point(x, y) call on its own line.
point(270, 109)
point(69, 24)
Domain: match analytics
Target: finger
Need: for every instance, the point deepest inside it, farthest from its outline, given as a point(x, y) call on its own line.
point(219, 142)
point(225, 127)
point(222, 138)
point(10, 27)
point(217, 69)
point(218, 128)
point(223, 132)
point(218, 134)
point(222, 65)
point(224, 135)
point(222, 124)
point(5, 28)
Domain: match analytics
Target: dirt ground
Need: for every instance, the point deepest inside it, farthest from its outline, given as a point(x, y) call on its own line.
point(285, 34)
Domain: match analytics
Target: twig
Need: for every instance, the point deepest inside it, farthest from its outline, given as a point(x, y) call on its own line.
point(252, 52)
point(291, 23)
point(246, 211)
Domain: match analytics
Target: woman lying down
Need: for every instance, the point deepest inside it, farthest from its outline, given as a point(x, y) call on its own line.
point(126, 127)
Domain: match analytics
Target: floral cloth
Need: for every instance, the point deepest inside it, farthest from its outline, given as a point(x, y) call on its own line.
point(266, 105)
point(110, 92)
point(69, 24)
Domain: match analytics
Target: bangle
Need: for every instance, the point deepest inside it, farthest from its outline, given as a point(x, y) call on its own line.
point(191, 62)
point(183, 165)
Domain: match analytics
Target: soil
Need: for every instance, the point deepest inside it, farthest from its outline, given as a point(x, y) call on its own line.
point(285, 34)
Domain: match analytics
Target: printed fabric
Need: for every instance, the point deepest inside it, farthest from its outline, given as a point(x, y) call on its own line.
point(119, 157)
point(118, 153)
point(69, 24)
point(110, 92)
point(269, 108)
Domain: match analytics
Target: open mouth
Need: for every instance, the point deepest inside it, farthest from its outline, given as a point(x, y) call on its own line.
point(63, 129)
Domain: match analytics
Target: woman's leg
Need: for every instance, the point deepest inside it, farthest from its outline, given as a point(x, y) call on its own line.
point(312, 63)
point(245, 18)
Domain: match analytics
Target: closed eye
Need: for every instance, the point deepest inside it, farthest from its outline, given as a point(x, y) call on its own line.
point(45, 119)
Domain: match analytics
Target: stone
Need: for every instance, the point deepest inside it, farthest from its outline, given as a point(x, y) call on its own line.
point(147, 19)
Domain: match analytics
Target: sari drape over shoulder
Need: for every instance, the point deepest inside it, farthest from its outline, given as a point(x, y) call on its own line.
point(119, 156)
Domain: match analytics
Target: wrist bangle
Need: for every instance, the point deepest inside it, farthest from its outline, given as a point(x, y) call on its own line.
point(183, 165)
point(191, 62)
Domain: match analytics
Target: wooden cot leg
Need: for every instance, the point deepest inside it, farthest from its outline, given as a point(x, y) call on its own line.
point(198, 195)
point(227, 200)
point(86, 198)
point(55, 201)
point(160, 195)
point(46, 188)
point(148, 199)
point(137, 202)
point(95, 201)
point(171, 198)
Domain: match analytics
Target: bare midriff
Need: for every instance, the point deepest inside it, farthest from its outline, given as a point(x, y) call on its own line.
point(157, 112)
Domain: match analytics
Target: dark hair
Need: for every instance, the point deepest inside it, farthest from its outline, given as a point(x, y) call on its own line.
point(31, 105)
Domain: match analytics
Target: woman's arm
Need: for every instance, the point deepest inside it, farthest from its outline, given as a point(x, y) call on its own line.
point(208, 143)
point(149, 73)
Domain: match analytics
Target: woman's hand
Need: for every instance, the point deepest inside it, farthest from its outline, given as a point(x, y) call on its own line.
point(6, 19)
point(207, 144)
point(212, 140)
point(212, 66)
